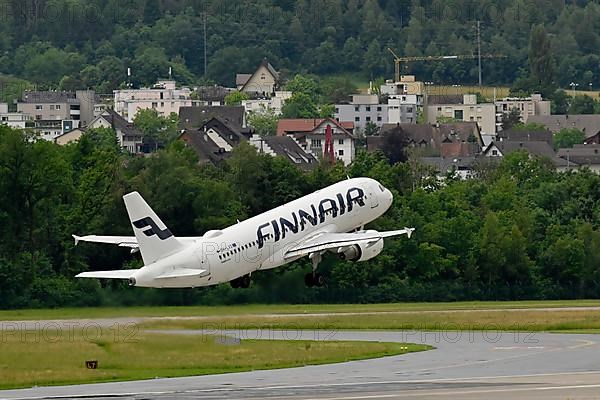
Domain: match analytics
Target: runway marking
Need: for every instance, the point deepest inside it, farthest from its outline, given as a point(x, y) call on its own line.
point(454, 393)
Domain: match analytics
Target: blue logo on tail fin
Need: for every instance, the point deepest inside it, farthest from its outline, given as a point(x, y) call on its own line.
point(154, 229)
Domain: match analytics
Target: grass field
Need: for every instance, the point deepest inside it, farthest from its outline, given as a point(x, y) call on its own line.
point(511, 320)
point(254, 309)
point(30, 358)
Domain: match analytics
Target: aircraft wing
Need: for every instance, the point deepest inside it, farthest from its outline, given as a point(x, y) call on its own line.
point(114, 274)
point(122, 241)
point(327, 241)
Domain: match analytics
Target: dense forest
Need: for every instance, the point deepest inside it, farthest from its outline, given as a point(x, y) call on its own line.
point(91, 43)
point(519, 230)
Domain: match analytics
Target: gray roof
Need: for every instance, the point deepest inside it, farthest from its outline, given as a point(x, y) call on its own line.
point(212, 93)
point(116, 121)
point(34, 96)
point(588, 123)
point(437, 133)
point(241, 79)
point(196, 116)
point(538, 148)
point(287, 147)
point(517, 135)
point(445, 99)
point(445, 164)
point(582, 154)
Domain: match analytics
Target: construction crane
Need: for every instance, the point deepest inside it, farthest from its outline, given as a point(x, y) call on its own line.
point(398, 59)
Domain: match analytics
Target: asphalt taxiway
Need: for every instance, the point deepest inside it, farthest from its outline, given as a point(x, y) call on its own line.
point(466, 365)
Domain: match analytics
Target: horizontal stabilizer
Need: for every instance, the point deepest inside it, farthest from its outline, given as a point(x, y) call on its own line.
point(182, 273)
point(114, 274)
point(123, 241)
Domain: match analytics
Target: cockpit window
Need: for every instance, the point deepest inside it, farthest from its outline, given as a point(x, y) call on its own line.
point(381, 188)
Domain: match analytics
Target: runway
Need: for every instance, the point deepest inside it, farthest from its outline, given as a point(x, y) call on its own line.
point(467, 365)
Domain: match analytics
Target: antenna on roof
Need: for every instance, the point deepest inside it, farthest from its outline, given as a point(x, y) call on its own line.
point(170, 72)
point(129, 77)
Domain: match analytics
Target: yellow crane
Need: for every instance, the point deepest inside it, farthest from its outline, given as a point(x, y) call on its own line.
point(398, 59)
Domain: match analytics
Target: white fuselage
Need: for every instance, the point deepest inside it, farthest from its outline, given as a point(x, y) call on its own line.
point(261, 242)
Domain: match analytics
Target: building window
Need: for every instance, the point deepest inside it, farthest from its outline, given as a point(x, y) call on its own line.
point(337, 110)
point(403, 98)
point(471, 118)
point(368, 108)
point(52, 106)
point(379, 118)
point(38, 107)
point(458, 114)
point(340, 152)
point(356, 108)
point(162, 95)
point(494, 152)
point(58, 106)
point(315, 143)
point(162, 103)
point(368, 119)
point(439, 108)
point(38, 116)
point(341, 141)
point(409, 109)
point(378, 108)
point(154, 104)
point(357, 119)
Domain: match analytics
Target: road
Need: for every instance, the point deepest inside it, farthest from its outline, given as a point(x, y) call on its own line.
point(467, 365)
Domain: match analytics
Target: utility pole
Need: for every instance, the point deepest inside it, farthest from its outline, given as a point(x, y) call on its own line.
point(479, 50)
point(205, 44)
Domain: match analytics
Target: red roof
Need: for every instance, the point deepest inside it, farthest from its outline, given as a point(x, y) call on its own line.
point(307, 125)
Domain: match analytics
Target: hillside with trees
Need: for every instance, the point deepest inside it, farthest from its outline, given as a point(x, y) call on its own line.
point(91, 43)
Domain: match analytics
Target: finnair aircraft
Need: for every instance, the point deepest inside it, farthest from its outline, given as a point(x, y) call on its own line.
point(330, 219)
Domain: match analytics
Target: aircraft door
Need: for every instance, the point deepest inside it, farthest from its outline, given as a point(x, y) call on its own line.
point(373, 199)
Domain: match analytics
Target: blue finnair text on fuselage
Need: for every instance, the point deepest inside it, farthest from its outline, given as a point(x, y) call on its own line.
point(314, 216)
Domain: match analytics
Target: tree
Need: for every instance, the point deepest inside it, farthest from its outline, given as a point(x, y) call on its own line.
point(541, 60)
point(302, 84)
point(582, 105)
point(394, 145)
point(560, 102)
point(158, 130)
point(511, 118)
point(235, 98)
point(263, 121)
point(336, 90)
point(300, 105)
point(566, 138)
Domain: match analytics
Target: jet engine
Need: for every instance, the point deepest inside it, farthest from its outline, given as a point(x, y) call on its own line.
point(362, 251)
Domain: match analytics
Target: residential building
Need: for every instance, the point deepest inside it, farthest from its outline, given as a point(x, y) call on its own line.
point(214, 140)
point(587, 123)
point(211, 95)
point(440, 108)
point(527, 107)
point(59, 105)
point(263, 82)
point(16, 120)
point(128, 135)
point(404, 108)
point(459, 139)
point(197, 116)
point(408, 85)
point(69, 137)
point(164, 97)
point(518, 135)
point(286, 147)
point(443, 166)
point(538, 148)
point(274, 103)
point(582, 155)
point(362, 110)
point(310, 133)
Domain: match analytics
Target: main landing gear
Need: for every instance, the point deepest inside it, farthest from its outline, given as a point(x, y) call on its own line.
point(314, 278)
point(242, 282)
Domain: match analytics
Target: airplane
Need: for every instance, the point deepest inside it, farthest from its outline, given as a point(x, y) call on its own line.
point(331, 219)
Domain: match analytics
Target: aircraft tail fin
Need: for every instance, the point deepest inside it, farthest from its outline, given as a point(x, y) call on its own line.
point(154, 239)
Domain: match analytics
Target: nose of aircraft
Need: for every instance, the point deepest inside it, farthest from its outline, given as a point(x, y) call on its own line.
point(389, 197)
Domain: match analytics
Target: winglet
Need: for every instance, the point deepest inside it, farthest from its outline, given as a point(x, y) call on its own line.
point(409, 232)
point(76, 239)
